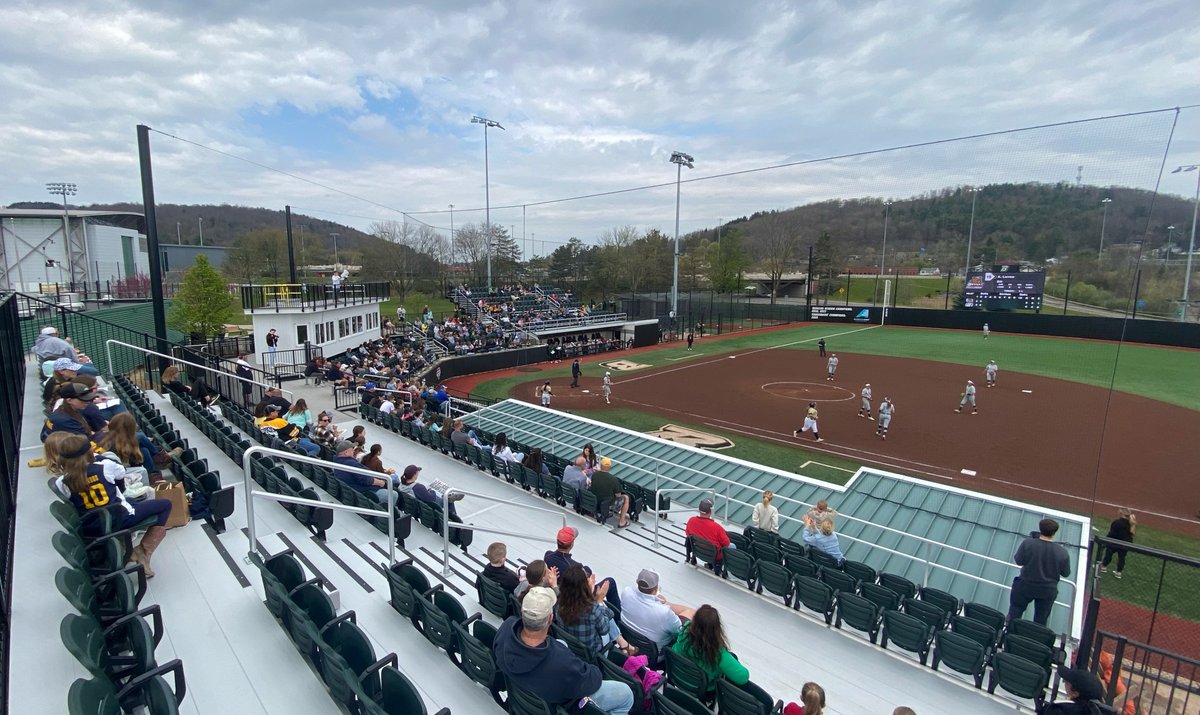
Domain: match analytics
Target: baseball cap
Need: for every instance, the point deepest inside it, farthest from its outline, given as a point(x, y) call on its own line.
point(706, 506)
point(66, 364)
point(88, 368)
point(370, 386)
point(647, 579)
point(343, 445)
point(605, 463)
point(566, 535)
point(1085, 683)
point(77, 390)
point(538, 603)
point(411, 469)
point(49, 330)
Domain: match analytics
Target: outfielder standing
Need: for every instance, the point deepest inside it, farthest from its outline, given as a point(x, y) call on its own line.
point(886, 408)
point(865, 410)
point(989, 371)
point(831, 367)
point(607, 387)
point(810, 423)
point(968, 395)
point(986, 331)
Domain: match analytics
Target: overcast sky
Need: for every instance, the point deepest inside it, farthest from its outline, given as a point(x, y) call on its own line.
point(375, 98)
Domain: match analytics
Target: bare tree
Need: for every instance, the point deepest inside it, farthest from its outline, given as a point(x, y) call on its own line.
point(775, 247)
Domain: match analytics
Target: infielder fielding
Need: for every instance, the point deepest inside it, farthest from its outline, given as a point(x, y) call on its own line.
point(968, 395)
point(546, 394)
point(831, 367)
point(886, 408)
point(607, 387)
point(865, 410)
point(989, 371)
point(810, 423)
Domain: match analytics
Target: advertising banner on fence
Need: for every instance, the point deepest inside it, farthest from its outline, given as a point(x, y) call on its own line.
point(841, 313)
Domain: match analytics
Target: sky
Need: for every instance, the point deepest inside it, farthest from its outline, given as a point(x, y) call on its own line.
point(361, 112)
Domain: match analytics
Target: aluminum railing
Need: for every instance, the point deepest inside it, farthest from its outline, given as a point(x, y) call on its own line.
point(446, 525)
point(675, 490)
point(108, 351)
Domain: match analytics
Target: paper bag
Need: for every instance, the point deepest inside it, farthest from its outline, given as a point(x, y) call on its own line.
point(174, 493)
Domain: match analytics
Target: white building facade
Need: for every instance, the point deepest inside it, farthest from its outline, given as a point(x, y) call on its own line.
point(97, 249)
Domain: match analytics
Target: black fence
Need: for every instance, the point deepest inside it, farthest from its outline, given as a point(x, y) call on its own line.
point(135, 288)
point(1142, 620)
point(12, 399)
point(311, 296)
point(706, 312)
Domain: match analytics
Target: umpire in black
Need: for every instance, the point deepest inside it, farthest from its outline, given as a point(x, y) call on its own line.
point(1042, 563)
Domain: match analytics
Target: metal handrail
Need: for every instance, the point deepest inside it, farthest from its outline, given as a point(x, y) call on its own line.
point(108, 352)
point(292, 456)
point(471, 527)
point(658, 491)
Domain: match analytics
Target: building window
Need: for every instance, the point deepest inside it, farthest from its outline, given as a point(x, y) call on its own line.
point(301, 334)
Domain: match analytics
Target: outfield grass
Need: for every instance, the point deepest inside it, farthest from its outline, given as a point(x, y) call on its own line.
point(1139, 582)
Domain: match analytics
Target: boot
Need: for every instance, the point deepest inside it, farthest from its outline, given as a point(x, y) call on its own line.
point(143, 551)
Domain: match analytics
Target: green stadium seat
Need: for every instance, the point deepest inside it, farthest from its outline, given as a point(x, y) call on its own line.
point(860, 614)
point(493, 597)
point(815, 595)
point(907, 633)
point(671, 700)
point(960, 653)
point(775, 579)
point(885, 598)
point(860, 571)
point(475, 649)
point(946, 601)
point(685, 674)
point(740, 565)
point(1018, 676)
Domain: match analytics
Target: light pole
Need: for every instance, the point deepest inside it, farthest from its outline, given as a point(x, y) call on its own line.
point(1170, 240)
point(1103, 223)
point(451, 234)
point(303, 260)
point(487, 191)
point(680, 160)
point(887, 210)
point(1187, 272)
point(336, 262)
point(200, 223)
point(64, 189)
point(179, 233)
point(970, 231)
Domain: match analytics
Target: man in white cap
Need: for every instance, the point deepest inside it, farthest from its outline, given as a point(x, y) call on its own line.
point(968, 395)
point(546, 667)
point(49, 346)
point(645, 610)
point(607, 387)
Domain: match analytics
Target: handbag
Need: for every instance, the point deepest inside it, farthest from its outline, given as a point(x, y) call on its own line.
point(174, 493)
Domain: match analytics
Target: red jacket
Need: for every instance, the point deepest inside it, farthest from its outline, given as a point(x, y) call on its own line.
point(706, 528)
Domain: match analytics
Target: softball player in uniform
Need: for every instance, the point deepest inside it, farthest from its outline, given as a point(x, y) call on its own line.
point(886, 408)
point(989, 371)
point(865, 410)
point(546, 393)
point(831, 367)
point(608, 387)
point(810, 423)
point(986, 331)
point(968, 395)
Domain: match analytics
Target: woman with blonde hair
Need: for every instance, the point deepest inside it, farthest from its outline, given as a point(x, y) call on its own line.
point(820, 536)
point(766, 517)
point(94, 485)
point(1122, 529)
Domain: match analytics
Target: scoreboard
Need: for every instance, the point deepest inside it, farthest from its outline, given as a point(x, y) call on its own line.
point(1004, 289)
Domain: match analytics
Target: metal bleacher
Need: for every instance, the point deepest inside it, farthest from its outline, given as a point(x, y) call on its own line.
point(939, 536)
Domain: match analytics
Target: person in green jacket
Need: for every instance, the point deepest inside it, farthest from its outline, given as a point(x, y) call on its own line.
point(703, 641)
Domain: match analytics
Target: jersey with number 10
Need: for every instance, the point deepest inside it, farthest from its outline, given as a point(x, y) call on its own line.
point(100, 492)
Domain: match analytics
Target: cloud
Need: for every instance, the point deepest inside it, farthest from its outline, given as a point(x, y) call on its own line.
point(375, 99)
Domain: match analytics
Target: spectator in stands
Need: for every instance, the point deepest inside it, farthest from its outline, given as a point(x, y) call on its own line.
point(373, 460)
point(459, 435)
point(65, 370)
point(326, 433)
point(300, 415)
point(171, 381)
point(133, 447)
point(387, 405)
point(820, 536)
point(95, 485)
point(1083, 690)
point(901, 710)
point(534, 461)
point(333, 373)
point(583, 614)
point(502, 452)
point(276, 426)
point(813, 697)
point(375, 486)
point(645, 610)
point(497, 553)
point(368, 396)
point(819, 512)
point(359, 437)
point(574, 475)
point(315, 369)
point(1042, 563)
point(242, 369)
point(69, 416)
point(425, 494)
point(765, 516)
point(592, 462)
point(607, 489)
point(547, 668)
point(274, 396)
point(561, 559)
point(703, 641)
point(49, 346)
point(537, 573)
point(704, 526)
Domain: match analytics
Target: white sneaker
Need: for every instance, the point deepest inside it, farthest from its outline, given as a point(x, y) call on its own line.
point(1103, 569)
point(870, 418)
point(819, 439)
point(1116, 574)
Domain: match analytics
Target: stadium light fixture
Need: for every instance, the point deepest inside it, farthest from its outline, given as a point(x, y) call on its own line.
point(63, 189)
point(487, 190)
point(1103, 222)
point(1187, 273)
point(680, 160)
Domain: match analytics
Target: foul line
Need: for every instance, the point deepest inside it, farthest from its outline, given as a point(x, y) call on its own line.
point(751, 352)
point(827, 466)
